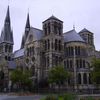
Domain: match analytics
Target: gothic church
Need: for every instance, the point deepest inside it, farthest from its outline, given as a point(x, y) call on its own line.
point(43, 49)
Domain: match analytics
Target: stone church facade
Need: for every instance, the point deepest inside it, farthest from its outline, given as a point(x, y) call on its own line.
point(43, 49)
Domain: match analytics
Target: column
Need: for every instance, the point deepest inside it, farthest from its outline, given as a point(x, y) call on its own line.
point(82, 78)
point(88, 78)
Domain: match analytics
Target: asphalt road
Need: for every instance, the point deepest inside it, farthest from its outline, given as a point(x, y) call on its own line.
point(35, 97)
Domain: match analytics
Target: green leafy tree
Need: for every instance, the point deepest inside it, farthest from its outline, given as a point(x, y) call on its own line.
point(96, 71)
point(58, 75)
point(21, 78)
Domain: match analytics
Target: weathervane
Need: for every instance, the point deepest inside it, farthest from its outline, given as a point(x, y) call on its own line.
point(73, 25)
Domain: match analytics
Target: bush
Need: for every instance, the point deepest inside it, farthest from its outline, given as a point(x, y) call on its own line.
point(87, 98)
point(90, 98)
point(51, 97)
point(69, 97)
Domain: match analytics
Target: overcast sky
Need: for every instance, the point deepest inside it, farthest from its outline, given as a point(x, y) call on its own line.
point(81, 13)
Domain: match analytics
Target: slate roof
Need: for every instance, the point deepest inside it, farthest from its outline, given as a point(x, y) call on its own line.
point(72, 36)
point(52, 17)
point(11, 65)
point(85, 30)
point(7, 33)
point(37, 33)
point(19, 53)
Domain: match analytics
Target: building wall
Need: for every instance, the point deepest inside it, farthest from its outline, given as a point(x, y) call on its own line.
point(76, 61)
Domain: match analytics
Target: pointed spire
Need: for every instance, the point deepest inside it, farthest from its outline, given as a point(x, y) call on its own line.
point(7, 33)
point(7, 19)
point(28, 21)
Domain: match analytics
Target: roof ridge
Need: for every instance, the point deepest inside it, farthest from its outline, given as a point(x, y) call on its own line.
point(69, 31)
point(85, 30)
point(52, 17)
point(37, 28)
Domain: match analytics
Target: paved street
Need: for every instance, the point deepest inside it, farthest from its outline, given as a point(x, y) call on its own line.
point(35, 97)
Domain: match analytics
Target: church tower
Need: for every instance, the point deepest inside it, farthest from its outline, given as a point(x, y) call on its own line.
point(6, 48)
point(87, 36)
point(53, 42)
point(6, 41)
point(27, 29)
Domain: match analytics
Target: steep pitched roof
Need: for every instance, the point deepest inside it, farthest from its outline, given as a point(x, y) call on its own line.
point(37, 34)
point(28, 21)
point(27, 29)
point(7, 33)
point(72, 36)
point(19, 53)
point(7, 19)
point(52, 17)
point(84, 30)
point(23, 41)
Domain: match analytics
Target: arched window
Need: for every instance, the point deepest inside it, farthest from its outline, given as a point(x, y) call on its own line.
point(1, 75)
point(85, 78)
point(10, 48)
point(33, 70)
point(55, 27)
point(71, 63)
point(78, 50)
point(48, 44)
point(47, 61)
point(48, 28)
point(71, 51)
point(27, 51)
point(77, 63)
point(45, 45)
point(59, 45)
point(80, 63)
point(32, 50)
point(83, 63)
point(67, 63)
point(6, 48)
point(75, 50)
point(79, 78)
point(45, 29)
point(68, 51)
point(59, 29)
point(55, 44)
point(90, 82)
point(9, 58)
point(6, 58)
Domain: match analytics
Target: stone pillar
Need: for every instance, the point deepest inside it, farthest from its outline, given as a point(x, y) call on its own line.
point(81, 77)
point(88, 78)
point(50, 60)
point(4, 48)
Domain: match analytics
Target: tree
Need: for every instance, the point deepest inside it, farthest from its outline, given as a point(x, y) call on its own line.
point(3, 73)
point(58, 75)
point(95, 74)
point(21, 78)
